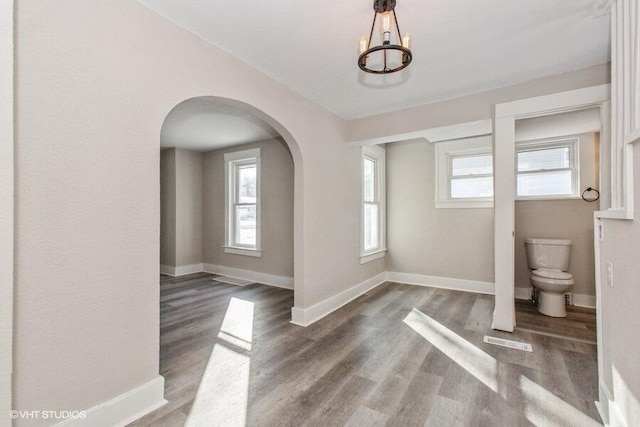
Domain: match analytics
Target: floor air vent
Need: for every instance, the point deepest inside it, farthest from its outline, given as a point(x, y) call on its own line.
point(508, 343)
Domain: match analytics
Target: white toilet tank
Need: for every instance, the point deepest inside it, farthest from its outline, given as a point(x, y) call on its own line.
point(552, 254)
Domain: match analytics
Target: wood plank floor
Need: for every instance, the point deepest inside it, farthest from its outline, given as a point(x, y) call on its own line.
point(399, 355)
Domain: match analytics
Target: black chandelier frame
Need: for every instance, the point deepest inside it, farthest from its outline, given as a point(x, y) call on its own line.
point(382, 6)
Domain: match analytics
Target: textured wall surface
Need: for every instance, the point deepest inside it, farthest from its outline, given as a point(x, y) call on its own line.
point(620, 318)
point(6, 207)
point(96, 82)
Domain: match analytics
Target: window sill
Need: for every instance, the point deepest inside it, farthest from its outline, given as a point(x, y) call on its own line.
point(257, 253)
point(464, 204)
point(372, 256)
point(547, 198)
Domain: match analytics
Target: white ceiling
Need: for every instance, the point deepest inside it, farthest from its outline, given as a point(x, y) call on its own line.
point(203, 124)
point(459, 47)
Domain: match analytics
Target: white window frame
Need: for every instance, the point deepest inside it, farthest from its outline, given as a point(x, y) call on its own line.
point(573, 143)
point(232, 161)
point(377, 155)
point(445, 153)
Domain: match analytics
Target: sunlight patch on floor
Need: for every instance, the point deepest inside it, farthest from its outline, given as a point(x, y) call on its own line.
point(237, 325)
point(223, 393)
point(539, 405)
point(468, 356)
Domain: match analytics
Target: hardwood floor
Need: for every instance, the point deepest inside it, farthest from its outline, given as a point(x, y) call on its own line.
point(399, 355)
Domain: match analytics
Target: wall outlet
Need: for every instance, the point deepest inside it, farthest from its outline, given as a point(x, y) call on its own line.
point(610, 274)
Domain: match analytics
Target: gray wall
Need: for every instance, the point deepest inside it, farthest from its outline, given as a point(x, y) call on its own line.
point(277, 210)
point(620, 318)
point(454, 243)
point(168, 207)
point(180, 207)
point(188, 207)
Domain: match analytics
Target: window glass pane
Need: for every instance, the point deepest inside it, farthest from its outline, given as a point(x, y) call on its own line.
point(247, 184)
point(245, 225)
point(463, 188)
point(370, 226)
point(549, 158)
point(369, 180)
point(557, 183)
point(472, 165)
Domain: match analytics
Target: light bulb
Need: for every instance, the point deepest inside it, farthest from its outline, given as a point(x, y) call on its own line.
point(406, 41)
point(386, 22)
point(363, 44)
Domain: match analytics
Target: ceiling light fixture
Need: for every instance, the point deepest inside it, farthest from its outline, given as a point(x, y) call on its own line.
point(392, 57)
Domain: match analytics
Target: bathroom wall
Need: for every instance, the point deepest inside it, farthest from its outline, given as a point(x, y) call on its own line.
point(563, 219)
point(276, 169)
point(451, 243)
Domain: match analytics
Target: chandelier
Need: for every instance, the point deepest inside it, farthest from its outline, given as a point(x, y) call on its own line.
point(389, 57)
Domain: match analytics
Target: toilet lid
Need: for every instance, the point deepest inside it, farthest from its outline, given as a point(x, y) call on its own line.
point(552, 274)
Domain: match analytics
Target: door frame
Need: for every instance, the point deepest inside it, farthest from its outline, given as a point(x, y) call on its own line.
point(505, 116)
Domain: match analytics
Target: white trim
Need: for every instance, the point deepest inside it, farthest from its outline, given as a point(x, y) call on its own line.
point(473, 286)
point(242, 251)
point(378, 155)
point(505, 115)
point(579, 300)
point(623, 408)
point(6, 207)
point(584, 300)
point(123, 409)
point(464, 204)
point(307, 316)
point(252, 276)
point(181, 270)
point(381, 253)
point(523, 293)
point(444, 152)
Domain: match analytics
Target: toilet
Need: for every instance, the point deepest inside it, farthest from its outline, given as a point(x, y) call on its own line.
point(548, 260)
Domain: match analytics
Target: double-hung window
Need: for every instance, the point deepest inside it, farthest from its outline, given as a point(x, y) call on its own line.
point(548, 169)
point(471, 176)
point(242, 183)
point(373, 245)
point(464, 173)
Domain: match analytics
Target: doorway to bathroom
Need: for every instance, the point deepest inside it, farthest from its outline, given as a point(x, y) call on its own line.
point(557, 191)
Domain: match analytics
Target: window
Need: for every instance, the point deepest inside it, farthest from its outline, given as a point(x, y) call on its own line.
point(373, 244)
point(471, 176)
point(547, 169)
point(464, 173)
point(242, 183)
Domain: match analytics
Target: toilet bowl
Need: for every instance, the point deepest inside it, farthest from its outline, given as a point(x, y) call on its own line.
point(552, 290)
point(548, 260)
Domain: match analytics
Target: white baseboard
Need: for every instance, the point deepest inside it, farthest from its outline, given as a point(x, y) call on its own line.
point(579, 300)
point(181, 270)
point(307, 316)
point(123, 409)
point(523, 293)
point(169, 270)
point(442, 282)
point(253, 276)
point(586, 301)
point(624, 406)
